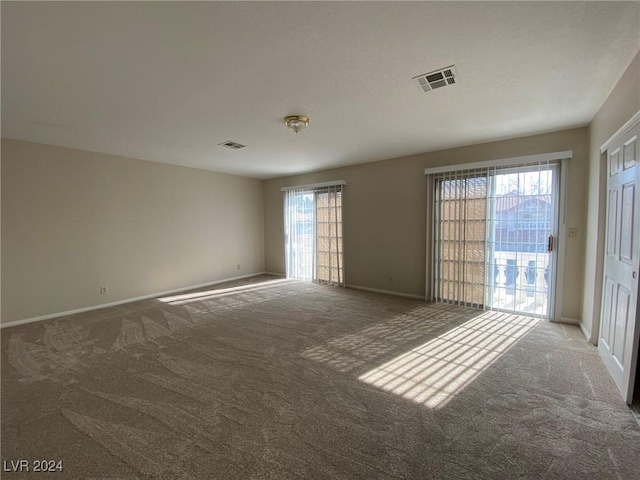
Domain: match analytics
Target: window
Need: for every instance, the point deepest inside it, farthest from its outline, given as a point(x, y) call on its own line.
point(313, 233)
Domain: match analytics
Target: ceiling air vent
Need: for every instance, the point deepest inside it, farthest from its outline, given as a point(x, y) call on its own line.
point(436, 79)
point(230, 144)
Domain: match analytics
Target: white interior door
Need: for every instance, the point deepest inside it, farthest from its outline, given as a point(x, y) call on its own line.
point(618, 338)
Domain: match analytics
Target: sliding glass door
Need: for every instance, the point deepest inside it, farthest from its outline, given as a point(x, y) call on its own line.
point(300, 234)
point(494, 238)
point(313, 234)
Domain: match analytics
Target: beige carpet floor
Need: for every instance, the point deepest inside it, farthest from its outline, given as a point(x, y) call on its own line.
point(274, 379)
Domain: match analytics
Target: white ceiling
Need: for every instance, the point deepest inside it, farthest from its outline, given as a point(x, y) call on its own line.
point(170, 81)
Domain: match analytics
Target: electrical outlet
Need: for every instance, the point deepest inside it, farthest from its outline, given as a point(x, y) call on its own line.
point(572, 232)
point(238, 266)
point(104, 290)
point(390, 278)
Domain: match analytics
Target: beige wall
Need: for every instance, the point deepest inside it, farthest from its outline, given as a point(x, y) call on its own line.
point(385, 213)
point(74, 220)
point(621, 104)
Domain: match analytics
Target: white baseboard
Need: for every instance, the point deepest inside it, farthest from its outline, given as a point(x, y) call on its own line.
point(386, 292)
point(586, 333)
point(128, 300)
point(275, 274)
point(570, 321)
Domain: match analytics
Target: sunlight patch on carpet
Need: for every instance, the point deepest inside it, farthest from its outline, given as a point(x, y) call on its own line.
point(221, 292)
point(366, 346)
point(435, 372)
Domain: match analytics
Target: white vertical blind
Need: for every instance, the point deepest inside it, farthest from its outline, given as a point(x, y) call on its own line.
point(459, 260)
point(313, 233)
point(329, 253)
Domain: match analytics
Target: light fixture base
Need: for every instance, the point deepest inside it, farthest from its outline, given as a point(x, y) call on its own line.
point(296, 123)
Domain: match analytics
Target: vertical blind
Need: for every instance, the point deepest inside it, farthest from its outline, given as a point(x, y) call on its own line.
point(492, 236)
point(313, 233)
point(460, 208)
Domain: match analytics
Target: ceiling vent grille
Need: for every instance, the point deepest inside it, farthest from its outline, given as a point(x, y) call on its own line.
point(436, 79)
point(233, 145)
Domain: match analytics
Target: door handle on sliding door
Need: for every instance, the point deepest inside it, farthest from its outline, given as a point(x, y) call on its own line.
point(550, 244)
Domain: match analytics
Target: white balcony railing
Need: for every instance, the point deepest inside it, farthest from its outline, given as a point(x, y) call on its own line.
point(519, 282)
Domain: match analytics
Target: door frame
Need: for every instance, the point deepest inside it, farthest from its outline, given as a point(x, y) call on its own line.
point(592, 332)
point(632, 123)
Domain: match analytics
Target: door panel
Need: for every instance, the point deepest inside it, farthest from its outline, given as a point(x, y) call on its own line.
point(619, 330)
point(614, 162)
point(609, 287)
point(626, 224)
point(612, 230)
point(630, 153)
point(620, 326)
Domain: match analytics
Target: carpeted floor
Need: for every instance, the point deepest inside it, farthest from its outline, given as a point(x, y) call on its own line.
point(275, 379)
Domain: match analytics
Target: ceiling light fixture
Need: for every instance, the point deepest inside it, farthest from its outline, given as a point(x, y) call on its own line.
point(296, 123)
